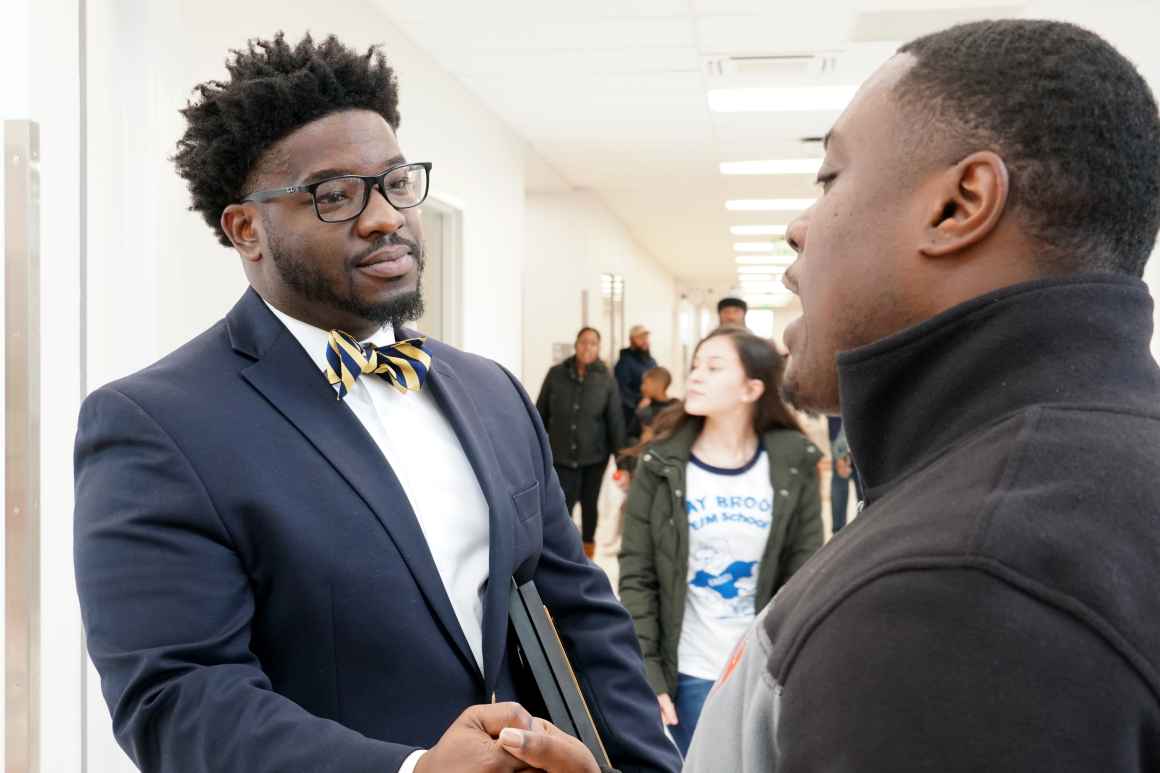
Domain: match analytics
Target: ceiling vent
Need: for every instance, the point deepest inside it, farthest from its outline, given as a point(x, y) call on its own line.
point(770, 69)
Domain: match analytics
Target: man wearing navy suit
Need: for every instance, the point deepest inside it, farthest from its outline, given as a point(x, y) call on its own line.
point(296, 534)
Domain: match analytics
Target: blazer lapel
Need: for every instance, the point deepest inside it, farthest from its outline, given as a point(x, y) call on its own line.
point(286, 376)
point(461, 410)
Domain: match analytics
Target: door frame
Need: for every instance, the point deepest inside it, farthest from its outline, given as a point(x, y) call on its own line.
point(452, 214)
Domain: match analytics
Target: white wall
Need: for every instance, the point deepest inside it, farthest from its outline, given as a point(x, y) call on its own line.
point(572, 238)
point(41, 65)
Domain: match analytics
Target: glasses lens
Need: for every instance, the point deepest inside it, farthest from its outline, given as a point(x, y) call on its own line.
point(340, 199)
point(406, 186)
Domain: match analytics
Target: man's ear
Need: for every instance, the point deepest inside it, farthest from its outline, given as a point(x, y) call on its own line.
point(969, 206)
point(241, 224)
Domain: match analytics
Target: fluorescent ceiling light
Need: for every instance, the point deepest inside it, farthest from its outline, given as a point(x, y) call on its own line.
point(765, 260)
point(757, 230)
point(782, 166)
point(781, 99)
point(769, 205)
point(753, 246)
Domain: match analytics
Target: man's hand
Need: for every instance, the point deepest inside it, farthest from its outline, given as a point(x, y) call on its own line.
point(469, 745)
point(843, 467)
point(547, 748)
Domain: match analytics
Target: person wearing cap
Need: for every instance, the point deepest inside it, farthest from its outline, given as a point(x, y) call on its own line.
point(731, 311)
point(635, 360)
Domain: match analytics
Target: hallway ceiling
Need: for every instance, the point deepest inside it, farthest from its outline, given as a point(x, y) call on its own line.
point(611, 96)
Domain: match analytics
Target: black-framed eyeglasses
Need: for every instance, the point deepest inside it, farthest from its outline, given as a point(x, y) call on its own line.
point(340, 199)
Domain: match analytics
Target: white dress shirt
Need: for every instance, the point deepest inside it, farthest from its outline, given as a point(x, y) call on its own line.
point(430, 463)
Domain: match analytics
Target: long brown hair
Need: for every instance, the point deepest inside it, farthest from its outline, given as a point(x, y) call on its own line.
point(761, 361)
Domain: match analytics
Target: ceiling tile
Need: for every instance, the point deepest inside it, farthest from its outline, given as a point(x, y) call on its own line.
point(522, 11)
point(802, 28)
point(579, 35)
point(550, 65)
point(903, 25)
point(711, 7)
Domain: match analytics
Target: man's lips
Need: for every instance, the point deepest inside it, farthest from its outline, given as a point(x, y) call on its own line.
point(389, 262)
point(791, 332)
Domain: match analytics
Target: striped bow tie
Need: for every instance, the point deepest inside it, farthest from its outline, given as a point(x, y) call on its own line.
point(404, 364)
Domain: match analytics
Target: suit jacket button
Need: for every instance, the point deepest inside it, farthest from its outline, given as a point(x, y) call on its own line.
point(647, 457)
point(783, 493)
point(793, 470)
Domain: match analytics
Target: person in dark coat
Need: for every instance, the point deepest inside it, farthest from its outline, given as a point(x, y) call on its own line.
point(635, 360)
point(580, 406)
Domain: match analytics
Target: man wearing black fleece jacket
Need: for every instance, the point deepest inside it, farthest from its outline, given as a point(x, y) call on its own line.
point(995, 606)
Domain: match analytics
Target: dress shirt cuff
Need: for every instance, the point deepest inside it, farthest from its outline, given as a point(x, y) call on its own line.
point(412, 760)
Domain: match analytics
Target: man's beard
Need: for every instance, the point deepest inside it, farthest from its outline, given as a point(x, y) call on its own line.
point(790, 392)
point(312, 284)
point(810, 395)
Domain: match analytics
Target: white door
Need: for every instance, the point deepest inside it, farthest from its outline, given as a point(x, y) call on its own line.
point(442, 294)
point(431, 323)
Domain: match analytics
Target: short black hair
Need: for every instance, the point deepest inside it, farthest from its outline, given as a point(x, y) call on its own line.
point(659, 374)
point(274, 89)
point(587, 329)
point(725, 303)
point(1073, 120)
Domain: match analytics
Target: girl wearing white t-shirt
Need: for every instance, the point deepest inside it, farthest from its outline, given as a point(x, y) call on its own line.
point(723, 507)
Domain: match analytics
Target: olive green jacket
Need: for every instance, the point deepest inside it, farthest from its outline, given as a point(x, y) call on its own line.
point(654, 553)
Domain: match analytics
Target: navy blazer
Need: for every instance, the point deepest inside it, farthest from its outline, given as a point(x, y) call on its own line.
point(256, 590)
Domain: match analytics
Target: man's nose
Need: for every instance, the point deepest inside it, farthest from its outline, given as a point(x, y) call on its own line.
point(795, 233)
point(795, 237)
point(379, 217)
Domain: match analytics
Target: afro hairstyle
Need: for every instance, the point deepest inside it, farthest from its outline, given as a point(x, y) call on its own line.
point(273, 89)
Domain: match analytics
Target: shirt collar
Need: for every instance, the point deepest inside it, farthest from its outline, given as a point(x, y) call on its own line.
point(1079, 339)
point(315, 340)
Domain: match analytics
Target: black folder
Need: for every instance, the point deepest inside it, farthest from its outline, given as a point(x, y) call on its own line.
point(542, 654)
